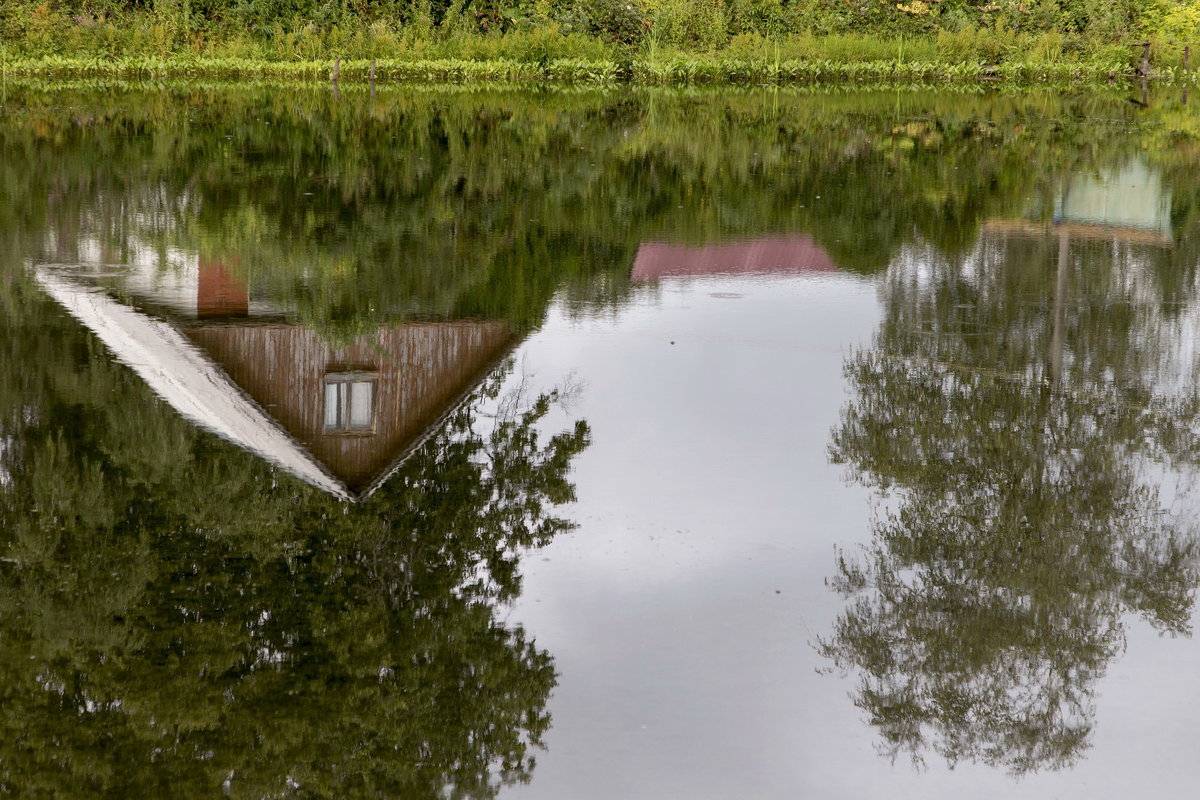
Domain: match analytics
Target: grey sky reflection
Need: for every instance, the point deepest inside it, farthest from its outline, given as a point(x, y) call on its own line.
point(681, 613)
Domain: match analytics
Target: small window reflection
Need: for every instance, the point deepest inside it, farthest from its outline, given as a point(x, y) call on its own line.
point(349, 402)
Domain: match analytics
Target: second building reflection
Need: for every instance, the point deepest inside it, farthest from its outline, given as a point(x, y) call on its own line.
point(1008, 402)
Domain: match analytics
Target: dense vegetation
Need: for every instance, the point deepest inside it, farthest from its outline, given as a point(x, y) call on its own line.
point(645, 40)
point(179, 616)
point(465, 204)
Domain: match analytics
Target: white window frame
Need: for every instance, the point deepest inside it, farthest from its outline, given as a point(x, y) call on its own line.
point(344, 389)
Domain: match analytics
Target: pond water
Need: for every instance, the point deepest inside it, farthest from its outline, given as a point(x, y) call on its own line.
point(598, 444)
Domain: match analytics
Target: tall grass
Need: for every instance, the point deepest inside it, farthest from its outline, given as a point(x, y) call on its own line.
point(598, 41)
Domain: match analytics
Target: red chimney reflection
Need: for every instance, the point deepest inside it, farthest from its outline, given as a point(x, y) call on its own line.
point(221, 293)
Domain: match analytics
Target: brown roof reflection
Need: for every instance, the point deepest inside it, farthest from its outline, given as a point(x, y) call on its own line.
point(787, 254)
point(340, 416)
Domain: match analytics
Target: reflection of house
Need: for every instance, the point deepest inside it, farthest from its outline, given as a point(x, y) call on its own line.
point(1129, 199)
point(339, 416)
point(1127, 204)
point(220, 292)
point(354, 407)
point(765, 255)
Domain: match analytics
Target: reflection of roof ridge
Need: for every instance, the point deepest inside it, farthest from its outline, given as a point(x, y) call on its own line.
point(774, 253)
point(188, 380)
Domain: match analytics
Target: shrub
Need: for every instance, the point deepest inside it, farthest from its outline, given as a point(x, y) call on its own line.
point(702, 24)
point(617, 21)
point(1176, 22)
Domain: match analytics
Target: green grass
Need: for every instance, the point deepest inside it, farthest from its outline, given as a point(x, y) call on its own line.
point(663, 70)
point(147, 46)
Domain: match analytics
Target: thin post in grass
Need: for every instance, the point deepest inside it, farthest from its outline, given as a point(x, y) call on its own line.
point(337, 70)
point(1183, 74)
point(1144, 68)
point(372, 79)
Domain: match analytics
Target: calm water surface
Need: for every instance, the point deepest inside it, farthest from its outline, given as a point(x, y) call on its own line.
point(598, 445)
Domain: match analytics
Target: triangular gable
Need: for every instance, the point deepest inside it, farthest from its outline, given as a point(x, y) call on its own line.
point(319, 391)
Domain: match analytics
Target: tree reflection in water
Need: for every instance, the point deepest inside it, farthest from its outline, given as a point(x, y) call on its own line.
point(1028, 518)
point(176, 616)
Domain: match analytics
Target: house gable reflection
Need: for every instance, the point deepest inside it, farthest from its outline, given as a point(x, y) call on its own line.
point(340, 416)
point(355, 421)
point(1127, 205)
point(357, 407)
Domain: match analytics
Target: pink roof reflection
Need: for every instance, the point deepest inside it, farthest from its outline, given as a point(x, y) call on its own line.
point(777, 255)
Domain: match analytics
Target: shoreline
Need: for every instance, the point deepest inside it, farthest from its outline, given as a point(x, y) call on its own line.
point(712, 70)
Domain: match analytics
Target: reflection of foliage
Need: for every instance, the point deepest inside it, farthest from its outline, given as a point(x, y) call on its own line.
point(1028, 519)
point(177, 615)
point(487, 203)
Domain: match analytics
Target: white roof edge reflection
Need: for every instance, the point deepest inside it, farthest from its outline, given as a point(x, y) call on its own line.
point(184, 377)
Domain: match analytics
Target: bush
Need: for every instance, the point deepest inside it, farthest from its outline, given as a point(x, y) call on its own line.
point(702, 24)
point(618, 21)
point(1176, 23)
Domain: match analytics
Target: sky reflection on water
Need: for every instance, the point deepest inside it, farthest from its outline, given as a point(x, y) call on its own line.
point(558, 455)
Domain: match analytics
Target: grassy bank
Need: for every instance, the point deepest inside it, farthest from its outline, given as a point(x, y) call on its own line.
point(702, 69)
point(600, 41)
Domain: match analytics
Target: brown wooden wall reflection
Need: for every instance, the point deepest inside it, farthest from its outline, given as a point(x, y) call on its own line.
point(408, 374)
